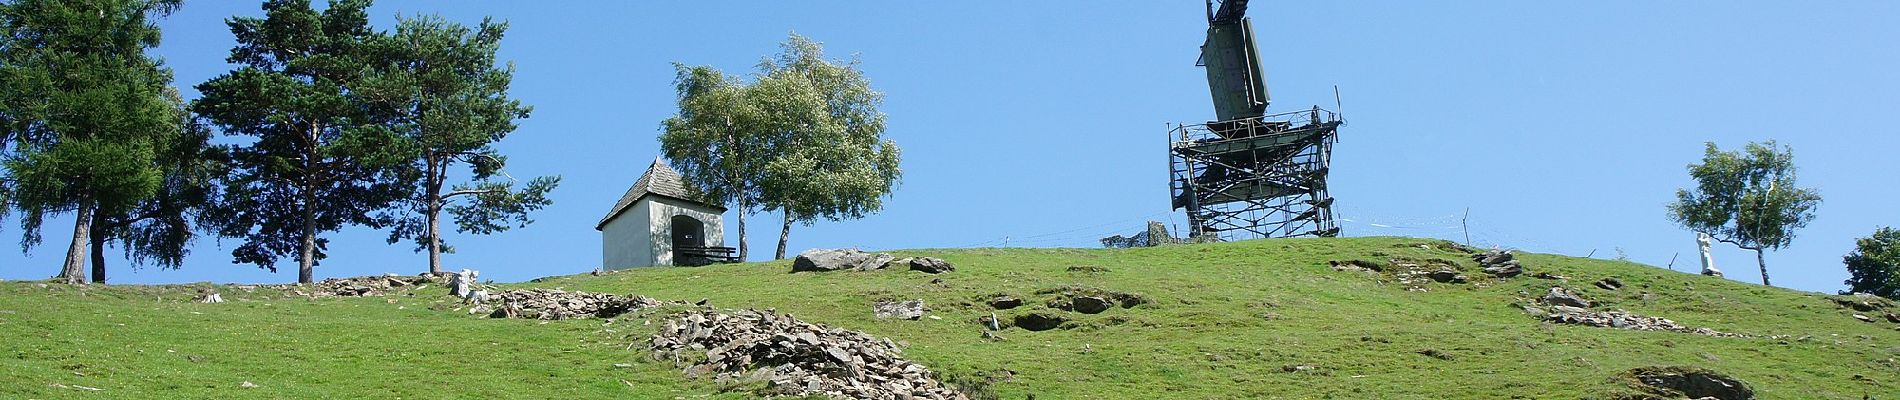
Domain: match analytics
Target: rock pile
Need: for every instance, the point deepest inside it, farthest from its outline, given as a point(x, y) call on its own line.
point(794, 358)
point(1499, 263)
point(362, 285)
point(559, 304)
point(1562, 306)
point(823, 260)
point(1624, 320)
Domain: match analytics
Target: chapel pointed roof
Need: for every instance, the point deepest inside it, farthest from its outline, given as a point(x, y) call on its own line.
point(659, 180)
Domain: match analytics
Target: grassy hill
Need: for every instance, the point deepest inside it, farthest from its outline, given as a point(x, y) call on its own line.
point(1253, 319)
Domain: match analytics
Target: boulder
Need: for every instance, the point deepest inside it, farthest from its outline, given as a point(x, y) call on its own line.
point(1610, 283)
point(931, 265)
point(821, 260)
point(910, 310)
point(1559, 296)
point(1091, 304)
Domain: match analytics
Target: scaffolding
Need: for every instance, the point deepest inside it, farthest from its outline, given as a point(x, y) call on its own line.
point(1255, 177)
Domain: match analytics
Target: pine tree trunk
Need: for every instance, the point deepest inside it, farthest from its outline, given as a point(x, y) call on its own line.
point(434, 212)
point(784, 233)
point(1759, 260)
point(98, 251)
point(74, 271)
point(307, 253)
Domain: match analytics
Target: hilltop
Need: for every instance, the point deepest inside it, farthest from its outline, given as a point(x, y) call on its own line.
point(1252, 319)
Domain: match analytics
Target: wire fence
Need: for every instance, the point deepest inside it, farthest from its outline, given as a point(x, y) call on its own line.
point(1457, 227)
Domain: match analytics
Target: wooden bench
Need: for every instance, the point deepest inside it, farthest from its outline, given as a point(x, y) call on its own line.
point(703, 255)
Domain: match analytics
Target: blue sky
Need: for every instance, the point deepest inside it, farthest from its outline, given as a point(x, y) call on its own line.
point(1563, 127)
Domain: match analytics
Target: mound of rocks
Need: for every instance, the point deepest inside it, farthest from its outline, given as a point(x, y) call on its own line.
point(362, 286)
point(550, 304)
point(793, 358)
point(1562, 306)
point(1499, 263)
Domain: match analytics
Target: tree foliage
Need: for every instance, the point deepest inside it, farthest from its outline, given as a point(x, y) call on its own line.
point(1748, 199)
point(322, 158)
point(450, 101)
point(804, 138)
point(84, 112)
point(831, 159)
point(713, 140)
point(1874, 266)
point(160, 229)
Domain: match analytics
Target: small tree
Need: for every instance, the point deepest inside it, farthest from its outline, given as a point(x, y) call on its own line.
point(1874, 266)
point(831, 160)
point(1747, 199)
point(450, 101)
point(84, 112)
point(322, 158)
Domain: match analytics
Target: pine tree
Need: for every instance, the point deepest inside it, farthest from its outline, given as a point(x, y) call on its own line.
point(84, 112)
point(321, 159)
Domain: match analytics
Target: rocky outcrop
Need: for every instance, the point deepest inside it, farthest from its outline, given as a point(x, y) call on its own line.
point(1499, 263)
point(793, 358)
point(1690, 382)
point(1610, 283)
point(550, 304)
point(911, 310)
point(823, 260)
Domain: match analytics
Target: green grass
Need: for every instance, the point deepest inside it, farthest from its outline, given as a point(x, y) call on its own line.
point(1225, 321)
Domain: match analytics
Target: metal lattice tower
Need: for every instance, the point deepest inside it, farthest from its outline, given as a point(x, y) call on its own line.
point(1247, 174)
point(1255, 177)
